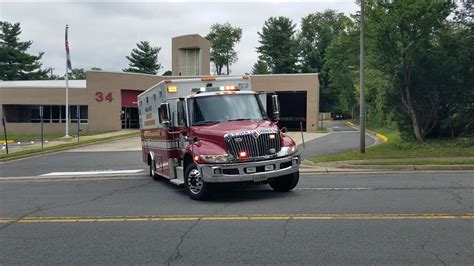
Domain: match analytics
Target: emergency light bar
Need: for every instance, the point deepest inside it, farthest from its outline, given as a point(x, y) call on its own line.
point(211, 89)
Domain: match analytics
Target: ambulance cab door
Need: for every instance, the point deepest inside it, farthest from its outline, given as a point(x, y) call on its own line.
point(182, 125)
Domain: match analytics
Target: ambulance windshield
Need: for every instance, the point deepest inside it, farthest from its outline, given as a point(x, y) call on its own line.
point(223, 108)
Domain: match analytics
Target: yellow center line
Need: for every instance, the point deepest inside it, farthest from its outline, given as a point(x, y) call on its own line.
point(244, 217)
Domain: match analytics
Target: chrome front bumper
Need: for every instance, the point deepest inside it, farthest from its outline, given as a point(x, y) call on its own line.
point(222, 173)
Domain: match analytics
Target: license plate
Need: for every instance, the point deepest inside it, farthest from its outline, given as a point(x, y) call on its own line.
point(259, 178)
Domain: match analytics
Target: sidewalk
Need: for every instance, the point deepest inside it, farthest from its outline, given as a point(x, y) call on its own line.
point(308, 136)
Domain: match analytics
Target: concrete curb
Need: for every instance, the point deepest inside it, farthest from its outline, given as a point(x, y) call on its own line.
point(455, 167)
point(370, 133)
point(311, 167)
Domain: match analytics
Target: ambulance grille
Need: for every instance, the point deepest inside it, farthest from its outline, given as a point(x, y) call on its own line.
point(255, 143)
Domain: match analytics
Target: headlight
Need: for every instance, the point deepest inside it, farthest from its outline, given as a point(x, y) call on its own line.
point(220, 158)
point(287, 150)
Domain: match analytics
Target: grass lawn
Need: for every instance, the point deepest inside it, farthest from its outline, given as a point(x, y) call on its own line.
point(394, 148)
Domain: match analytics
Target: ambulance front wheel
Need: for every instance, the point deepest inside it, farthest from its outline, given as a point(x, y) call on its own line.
point(152, 171)
point(285, 183)
point(194, 185)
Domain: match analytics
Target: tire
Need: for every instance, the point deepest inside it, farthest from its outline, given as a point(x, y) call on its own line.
point(152, 171)
point(195, 187)
point(285, 183)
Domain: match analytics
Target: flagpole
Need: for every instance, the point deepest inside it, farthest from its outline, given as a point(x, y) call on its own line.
point(67, 90)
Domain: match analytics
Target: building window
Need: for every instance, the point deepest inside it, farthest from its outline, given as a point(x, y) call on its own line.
point(55, 114)
point(189, 62)
point(51, 113)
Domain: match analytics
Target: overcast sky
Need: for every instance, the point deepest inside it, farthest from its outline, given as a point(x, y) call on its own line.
point(101, 34)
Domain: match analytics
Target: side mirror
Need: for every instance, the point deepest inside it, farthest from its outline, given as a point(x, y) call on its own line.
point(276, 108)
point(165, 114)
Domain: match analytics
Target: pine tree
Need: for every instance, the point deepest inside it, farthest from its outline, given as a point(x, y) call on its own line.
point(15, 62)
point(278, 45)
point(260, 68)
point(144, 59)
point(167, 73)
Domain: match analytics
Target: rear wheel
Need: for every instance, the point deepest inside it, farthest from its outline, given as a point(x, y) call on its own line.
point(195, 186)
point(285, 183)
point(152, 170)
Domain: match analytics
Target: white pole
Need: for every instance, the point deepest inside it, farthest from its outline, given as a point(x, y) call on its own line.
point(67, 93)
point(67, 102)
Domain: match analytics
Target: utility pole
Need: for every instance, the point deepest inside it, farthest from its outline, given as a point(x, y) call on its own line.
point(362, 80)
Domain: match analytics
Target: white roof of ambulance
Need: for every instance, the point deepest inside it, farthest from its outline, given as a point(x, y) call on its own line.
point(197, 80)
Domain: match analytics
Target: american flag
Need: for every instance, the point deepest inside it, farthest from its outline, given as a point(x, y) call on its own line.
point(66, 43)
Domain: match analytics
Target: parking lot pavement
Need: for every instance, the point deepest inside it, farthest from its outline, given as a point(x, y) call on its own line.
point(339, 126)
point(307, 136)
point(343, 138)
point(73, 162)
point(128, 144)
point(404, 218)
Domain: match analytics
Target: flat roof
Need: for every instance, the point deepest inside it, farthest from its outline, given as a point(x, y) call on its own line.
point(47, 84)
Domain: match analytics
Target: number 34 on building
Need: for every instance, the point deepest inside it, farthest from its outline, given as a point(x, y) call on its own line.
point(99, 97)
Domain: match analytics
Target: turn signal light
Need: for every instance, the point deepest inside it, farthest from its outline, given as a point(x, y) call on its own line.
point(172, 89)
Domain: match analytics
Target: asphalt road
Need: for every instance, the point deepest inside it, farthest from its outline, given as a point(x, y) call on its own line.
point(360, 218)
point(373, 219)
point(73, 162)
point(343, 138)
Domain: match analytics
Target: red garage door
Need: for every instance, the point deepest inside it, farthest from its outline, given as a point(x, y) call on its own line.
point(129, 98)
point(130, 109)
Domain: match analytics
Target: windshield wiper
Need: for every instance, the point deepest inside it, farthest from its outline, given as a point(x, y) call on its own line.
point(206, 122)
point(240, 119)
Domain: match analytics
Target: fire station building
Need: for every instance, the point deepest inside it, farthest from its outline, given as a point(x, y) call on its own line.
point(107, 101)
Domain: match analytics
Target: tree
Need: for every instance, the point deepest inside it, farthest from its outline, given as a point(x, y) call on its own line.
point(167, 73)
point(223, 38)
point(448, 71)
point(404, 35)
point(77, 73)
point(278, 45)
point(317, 32)
point(15, 62)
point(144, 59)
point(51, 74)
point(340, 66)
point(260, 67)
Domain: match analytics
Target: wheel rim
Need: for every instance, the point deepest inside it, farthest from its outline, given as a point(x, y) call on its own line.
point(195, 181)
point(152, 168)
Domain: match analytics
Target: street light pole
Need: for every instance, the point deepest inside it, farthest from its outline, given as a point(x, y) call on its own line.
point(362, 80)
